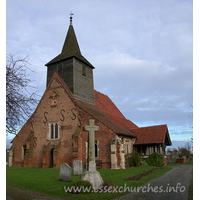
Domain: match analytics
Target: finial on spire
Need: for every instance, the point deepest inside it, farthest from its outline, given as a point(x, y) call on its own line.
point(71, 14)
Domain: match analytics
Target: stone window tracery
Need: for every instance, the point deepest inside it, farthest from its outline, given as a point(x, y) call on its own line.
point(54, 130)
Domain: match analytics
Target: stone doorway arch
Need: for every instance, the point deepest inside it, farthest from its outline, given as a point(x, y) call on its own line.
point(117, 153)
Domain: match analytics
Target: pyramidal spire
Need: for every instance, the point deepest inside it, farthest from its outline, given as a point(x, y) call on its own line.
point(70, 48)
point(71, 43)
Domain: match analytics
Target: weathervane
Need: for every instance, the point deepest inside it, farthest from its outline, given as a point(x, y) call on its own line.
point(71, 14)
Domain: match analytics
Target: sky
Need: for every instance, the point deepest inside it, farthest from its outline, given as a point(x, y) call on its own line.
point(142, 51)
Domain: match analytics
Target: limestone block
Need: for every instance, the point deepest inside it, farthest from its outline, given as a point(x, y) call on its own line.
point(113, 149)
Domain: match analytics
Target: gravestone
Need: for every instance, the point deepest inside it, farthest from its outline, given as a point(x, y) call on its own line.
point(77, 167)
point(91, 174)
point(65, 172)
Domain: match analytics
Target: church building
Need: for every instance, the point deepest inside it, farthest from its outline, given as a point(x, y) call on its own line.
point(54, 133)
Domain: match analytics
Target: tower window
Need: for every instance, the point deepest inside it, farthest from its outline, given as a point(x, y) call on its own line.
point(60, 68)
point(83, 70)
point(53, 130)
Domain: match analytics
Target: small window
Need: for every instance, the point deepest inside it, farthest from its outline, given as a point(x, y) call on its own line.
point(96, 149)
point(54, 130)
point(60, 68)
point(83, 70)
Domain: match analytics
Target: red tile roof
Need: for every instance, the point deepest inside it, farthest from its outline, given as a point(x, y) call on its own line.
point(108, 116)
point(105, 104)
point(152, 135)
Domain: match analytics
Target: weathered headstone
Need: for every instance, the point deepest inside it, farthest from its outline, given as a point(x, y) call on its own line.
point(77, 167)
point(91, 174)
point(65, 172)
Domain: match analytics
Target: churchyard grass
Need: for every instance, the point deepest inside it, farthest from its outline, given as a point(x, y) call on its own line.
point(176, 164)
point(46, 180)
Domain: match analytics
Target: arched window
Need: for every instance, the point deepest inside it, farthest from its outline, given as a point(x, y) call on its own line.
point(56, 130)
point(52, 127)
point(53, 130)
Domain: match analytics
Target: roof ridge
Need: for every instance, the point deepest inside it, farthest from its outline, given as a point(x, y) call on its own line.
point(151, 126)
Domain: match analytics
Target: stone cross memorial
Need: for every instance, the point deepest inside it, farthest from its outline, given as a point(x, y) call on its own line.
point(91, 174)
point(91, 128)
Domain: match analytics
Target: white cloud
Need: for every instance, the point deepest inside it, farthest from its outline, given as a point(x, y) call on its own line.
point(142, 50)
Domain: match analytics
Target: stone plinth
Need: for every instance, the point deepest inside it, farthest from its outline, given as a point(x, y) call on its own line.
point(93, 177)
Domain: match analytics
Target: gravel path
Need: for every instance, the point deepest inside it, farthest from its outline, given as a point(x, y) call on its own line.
point(172, 185)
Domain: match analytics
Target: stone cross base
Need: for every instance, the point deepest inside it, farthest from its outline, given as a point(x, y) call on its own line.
point(93, 177)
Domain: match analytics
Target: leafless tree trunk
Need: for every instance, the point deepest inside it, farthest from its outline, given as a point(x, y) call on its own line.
point(19, 101)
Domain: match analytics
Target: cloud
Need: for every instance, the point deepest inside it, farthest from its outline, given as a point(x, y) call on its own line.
point(147, 92)
point(142, 51)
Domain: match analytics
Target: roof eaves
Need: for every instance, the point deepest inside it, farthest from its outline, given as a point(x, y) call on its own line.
point(62, 57)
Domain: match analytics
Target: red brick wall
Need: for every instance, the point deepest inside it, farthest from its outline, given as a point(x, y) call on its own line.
point(39, 123)
point(181, 160)
point(165, 160)
point(19, 141)
point(104, 136)
point(71, 136)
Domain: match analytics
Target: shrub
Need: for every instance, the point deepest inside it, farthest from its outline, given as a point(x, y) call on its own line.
point(107, 183)
point(84, 184)
point(144, 163)
point(133, 159)
point(155, 159)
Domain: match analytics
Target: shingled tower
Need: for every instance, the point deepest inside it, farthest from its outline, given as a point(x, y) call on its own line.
point(73, 68)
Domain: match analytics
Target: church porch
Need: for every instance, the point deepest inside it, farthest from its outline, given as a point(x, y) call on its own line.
point(147, 150)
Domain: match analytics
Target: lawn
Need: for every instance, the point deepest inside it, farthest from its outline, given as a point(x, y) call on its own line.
point(46, 180)
point(176, 164)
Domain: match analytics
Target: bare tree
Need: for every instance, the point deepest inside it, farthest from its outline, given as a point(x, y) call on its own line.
point(19, 101)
